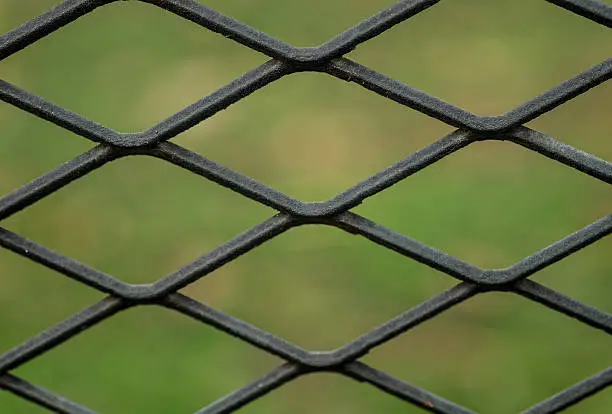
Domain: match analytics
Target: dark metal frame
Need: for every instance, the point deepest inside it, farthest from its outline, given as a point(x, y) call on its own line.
point(286, 59)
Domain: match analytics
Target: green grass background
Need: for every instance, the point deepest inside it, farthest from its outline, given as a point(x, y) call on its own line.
point(130, 65)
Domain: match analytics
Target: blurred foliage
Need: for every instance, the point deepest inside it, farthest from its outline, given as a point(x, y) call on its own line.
point(129, 65)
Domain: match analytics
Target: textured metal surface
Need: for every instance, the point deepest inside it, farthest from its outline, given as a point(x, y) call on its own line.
point(286, 59)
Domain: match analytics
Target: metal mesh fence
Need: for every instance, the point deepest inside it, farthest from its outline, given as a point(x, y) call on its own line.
point(285, 59)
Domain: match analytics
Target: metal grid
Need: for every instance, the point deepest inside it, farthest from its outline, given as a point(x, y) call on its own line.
point(286, 59)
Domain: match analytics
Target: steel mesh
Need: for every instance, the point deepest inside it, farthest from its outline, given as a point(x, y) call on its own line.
point(285, 59)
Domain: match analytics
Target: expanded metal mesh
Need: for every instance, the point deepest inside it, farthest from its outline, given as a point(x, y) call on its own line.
point(285, 59)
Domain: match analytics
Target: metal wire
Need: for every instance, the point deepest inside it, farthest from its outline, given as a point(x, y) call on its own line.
point(285, 59)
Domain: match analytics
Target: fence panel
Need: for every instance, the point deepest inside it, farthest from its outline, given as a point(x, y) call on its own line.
point(285, 59)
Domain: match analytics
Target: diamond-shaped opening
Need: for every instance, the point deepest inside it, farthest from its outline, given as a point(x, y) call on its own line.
point(300, 23)
point(584, 275)
point(583, 122)
point(31, 147)
point(328, 394)
point(475, 353)
point(149, 66)
point(148, 360)
point(488, 57)
point(312, 135)
point(33, 298)
point(491, 204)
point(138, 218)
point(318, 286)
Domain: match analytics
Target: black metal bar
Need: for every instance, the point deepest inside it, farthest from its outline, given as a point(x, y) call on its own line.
point(239, 329)
point(65, 265)
point(45, 24)
point(559, 250)
point(287, 59)
point(402, 323)
point(213, 260)
point(59, 333)
point(54, 180)
point(215, 102)
point(254, 390)
point(59, 116)
point(595, 10)
point(574, 394)
point(571, 307)
point(227, 178)
point(434, 258)
point(372, 27)
point(41, 396)
point(563, 153)
point(399, 92)
point(407, 392)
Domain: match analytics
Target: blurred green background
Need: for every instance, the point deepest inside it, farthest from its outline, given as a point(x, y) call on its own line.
point(129, 65)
